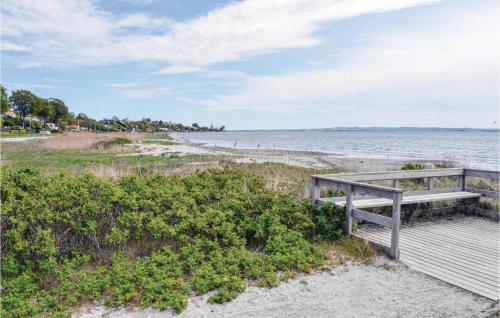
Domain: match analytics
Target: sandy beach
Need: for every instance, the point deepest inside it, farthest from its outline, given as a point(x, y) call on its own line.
point(384, 288)
point(307, 159)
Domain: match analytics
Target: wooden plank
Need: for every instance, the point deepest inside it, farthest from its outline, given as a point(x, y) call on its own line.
point(396, 215)
point(348, 211)
point(462, 259)
point(485, 193)
point(395, 184)
point(372, 217)
point(492, 214)
point(472, 233)
point(471, 275)
point(461, 182)
point(430, 183)
point(410, 199)
point(451, 278)
point(446, 239)
point(422, 192)
point(358, 188)
point(433, 241)
point(314, 190)
point(383, 192)
point(401, 174)
point(427, 242)
point(439, 252)
point(489, 174)
point(435, 237)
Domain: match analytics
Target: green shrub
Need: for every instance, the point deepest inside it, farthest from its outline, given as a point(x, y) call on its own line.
point(68, 239)
point(412, 166)
point(112, 142)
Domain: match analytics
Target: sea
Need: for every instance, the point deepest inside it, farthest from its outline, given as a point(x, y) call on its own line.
point(474, 148)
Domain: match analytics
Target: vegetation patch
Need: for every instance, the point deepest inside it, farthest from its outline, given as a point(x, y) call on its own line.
point(412, 166)
point(356, 247)
point(150, 241)
point(113, 142)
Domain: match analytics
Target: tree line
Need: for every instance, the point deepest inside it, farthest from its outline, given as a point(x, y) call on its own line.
point(54, 110)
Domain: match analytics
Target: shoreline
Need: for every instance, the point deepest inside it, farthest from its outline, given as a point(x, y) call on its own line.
point(301, 158)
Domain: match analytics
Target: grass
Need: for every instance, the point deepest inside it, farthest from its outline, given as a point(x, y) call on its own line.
point(85, 140)
point(106, 155)
point(106, 161)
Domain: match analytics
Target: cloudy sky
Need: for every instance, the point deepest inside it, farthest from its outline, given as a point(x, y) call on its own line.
point(260, 63)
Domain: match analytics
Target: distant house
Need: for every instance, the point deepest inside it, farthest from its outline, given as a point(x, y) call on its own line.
point(9, 115)
point(72, 128)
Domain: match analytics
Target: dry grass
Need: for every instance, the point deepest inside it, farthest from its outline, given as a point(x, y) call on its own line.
point(84, 140)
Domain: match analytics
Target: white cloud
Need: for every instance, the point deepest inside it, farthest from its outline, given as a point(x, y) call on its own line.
point(140, 90)
point(179, 69)
point(449, 62)
point(77, 32)
point(9, 46)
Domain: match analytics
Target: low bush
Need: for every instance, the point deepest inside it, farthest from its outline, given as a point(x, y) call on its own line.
point(412, 166)
point(113, 142)
point(150, 241)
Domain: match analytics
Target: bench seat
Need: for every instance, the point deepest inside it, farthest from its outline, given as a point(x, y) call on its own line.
point(360, 202)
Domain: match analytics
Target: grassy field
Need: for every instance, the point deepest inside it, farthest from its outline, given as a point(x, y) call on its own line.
point(102, 155)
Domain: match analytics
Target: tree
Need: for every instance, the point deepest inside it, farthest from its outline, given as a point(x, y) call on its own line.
point(195, 125)
point(222, 128)
point(4, 100)
point(42, 108)
point(22, 102)
point(59, 108)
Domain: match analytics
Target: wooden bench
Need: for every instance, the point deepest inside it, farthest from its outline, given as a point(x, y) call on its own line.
point(361, 195)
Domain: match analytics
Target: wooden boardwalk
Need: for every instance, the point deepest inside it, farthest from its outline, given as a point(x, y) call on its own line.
point(463, 252)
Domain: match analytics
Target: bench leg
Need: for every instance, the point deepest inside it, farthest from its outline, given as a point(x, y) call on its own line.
point(348, 211)
point(396, 216)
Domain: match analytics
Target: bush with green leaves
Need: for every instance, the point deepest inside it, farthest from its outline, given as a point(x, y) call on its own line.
point(150, 241)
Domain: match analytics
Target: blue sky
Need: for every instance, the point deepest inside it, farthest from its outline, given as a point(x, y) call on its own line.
point(259, 64)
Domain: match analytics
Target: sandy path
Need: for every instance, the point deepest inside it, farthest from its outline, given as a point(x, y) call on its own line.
point(384, 289)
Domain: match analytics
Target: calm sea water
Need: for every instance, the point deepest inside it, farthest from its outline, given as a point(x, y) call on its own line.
point(471, 147)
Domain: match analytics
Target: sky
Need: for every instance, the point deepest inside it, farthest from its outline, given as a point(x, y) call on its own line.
point(260, 64)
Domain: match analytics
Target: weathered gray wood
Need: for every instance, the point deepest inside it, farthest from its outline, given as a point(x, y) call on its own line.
point(462, 182)
point(396, 211)
point(348, 211)
point(407, 199)
point(314, 190)
point(492, 214)
point(482, 173)
point(358, 187)
point(430, 183)
point(371, 217)
point(423, 192)
point(395, 184)
point(485, 193)
point(402, 174)
point(332, 183)
point(456, 255)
